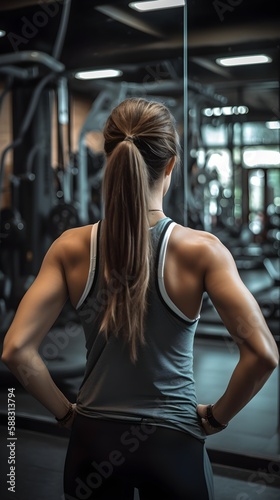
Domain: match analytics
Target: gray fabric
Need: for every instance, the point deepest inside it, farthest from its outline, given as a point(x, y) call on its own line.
point(160, 387)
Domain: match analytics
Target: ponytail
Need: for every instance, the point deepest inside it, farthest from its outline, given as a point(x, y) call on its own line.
point(140, 139)
point(124, 245)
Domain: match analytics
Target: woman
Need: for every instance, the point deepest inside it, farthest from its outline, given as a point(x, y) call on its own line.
point(137, 280)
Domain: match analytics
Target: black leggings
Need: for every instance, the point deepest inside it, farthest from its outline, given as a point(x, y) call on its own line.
point(107, 459)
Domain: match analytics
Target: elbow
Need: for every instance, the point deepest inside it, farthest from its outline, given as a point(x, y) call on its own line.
point(10, 355)
point(7, 357)
point(273, 355)
point(275, 359)
point(270, 359)
point(265, 359)
point(15, 355)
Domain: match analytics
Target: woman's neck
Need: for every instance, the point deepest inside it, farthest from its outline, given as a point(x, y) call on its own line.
point(155, 215)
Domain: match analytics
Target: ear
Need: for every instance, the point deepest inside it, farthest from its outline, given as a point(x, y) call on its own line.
point(170, 165)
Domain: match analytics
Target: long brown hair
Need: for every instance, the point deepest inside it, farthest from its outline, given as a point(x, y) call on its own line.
point(140, 140)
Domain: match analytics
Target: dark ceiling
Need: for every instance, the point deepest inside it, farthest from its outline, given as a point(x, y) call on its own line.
point(149, 47)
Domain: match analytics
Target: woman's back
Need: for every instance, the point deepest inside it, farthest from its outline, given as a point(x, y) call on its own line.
point(159, 386)
point(183, 270)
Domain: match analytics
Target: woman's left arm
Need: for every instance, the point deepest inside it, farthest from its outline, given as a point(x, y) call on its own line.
point(243, 318)
point(37, 311)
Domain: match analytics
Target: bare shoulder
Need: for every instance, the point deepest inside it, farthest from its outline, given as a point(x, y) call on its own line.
point(77, 234)
point(73, 245)
point(193, 239)
point(199, 248)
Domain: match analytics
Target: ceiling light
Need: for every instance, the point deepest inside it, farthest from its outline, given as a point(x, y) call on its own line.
point(2, 33)
point(273, 125)
point(100, 73)
point(156, 4)
point(226, 110)
point(243, 60)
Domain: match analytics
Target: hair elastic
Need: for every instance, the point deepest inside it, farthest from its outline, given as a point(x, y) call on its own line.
point(129, 138)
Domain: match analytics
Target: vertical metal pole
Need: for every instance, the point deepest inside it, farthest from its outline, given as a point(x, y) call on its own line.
point(36, 191)
point(186, 114)
point(278, 341)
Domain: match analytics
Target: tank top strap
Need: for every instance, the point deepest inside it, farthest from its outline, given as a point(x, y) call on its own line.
point(94, 261)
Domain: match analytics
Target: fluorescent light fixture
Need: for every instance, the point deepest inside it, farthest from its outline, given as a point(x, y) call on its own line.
point(259, 157)
point(100, 73)
point(243, 60)
point(156, 4)
point(2, 33)
point(273, 125)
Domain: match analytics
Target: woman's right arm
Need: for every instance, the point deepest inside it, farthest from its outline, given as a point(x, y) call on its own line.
point(244, 321)
point(37, 311)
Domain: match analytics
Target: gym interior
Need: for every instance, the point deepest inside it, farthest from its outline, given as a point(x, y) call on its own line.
point(52, 115)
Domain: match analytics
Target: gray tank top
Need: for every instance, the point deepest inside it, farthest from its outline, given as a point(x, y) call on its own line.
point(159, 388)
